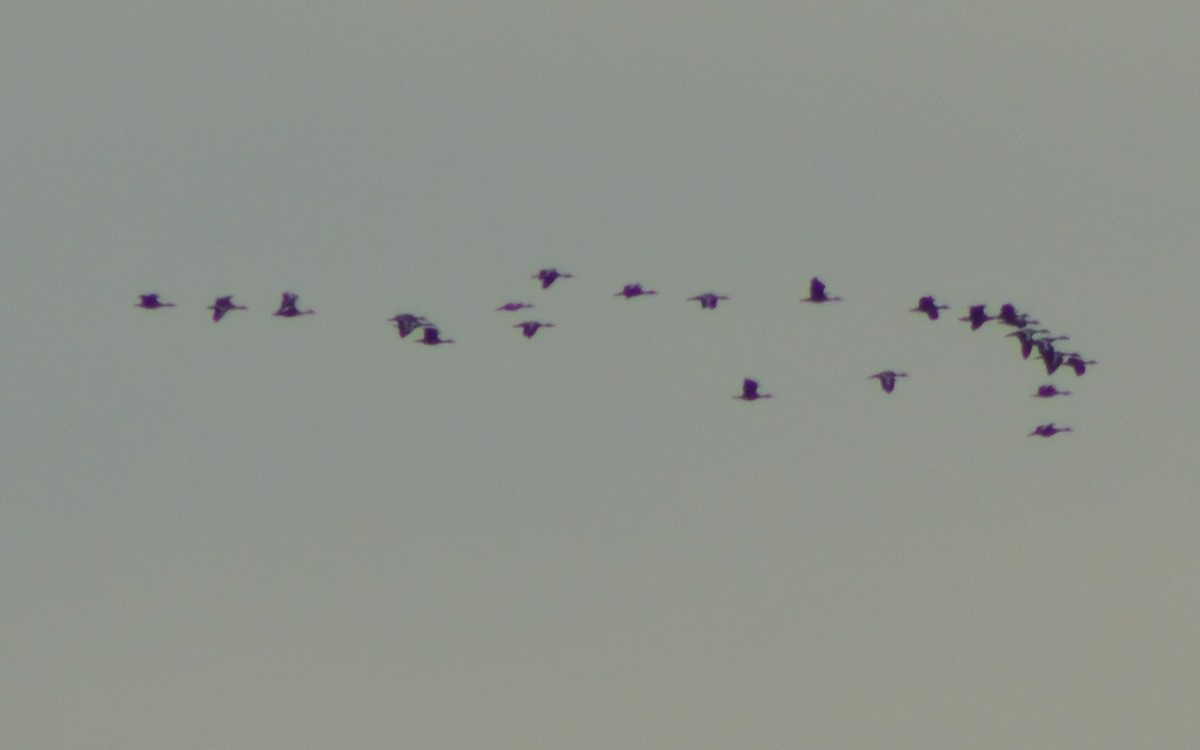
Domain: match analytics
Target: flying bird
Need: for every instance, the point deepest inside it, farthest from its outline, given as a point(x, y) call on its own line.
point(1052, 358)
point(1029, 340)
point(750, 391)
point(708, 300)
point(548, 276)
point(530, 327)
point(929, 307)
point(152, 302)
point(1010, 317)
point(287, 307)
point(1048, 391)
point(513, 306)
point(887, 379)
point(1078, 363)
point(816, 292)
point(407, 323)
point(223, 305)
point(1048, 430)
point(977, 316)
point(633, 290)
point(430, 337)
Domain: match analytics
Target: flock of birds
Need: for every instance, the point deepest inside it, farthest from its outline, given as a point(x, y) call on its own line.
point(1029, 337)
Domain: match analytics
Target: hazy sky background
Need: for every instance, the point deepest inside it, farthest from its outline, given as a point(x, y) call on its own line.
point(308, 533)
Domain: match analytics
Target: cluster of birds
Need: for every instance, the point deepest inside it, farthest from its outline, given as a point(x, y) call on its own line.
point(1029, 337)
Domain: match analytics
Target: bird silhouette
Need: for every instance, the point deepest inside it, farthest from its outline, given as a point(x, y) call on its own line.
point(816, 292)
point(1010, 317)
point(406, 323)
point(1048, 391)
point(549, 275)
point(977, 316)
point(750, 391)
point(929, 307)
point(152, 302)
point(223, 305)
point(530, 327)
point(887, 379)
point(633, 290)
point(1078, 363)
point(1048, 430)
point(430, 336)
point(1029, 339)
point(513, 306)
point(287, 307)
point(708, 300)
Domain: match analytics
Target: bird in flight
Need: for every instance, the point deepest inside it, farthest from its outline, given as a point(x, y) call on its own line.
point(708, 300)
point(1078, 363)
point(887, 379)
point(929, 307)
point(287, 307)
point(816, 292)
point(1048, 430)
point(1010, 317)
point(407, 323)
point(1049, 391)
point(548, 276)
point(530, 327)
point(513, 306)
point(152, 302)
point(431, 338)
point(223, 305)
point(750, 391)
point(633, 290)
point(977, 316)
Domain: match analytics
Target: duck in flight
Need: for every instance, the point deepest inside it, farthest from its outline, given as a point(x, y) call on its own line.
point(152, 302)
point(549, 275)
point(223, 305)
point(530, 327)
point(708, 300)
point(928, 306)
point(887, 379)
point(750, 391)
point(977, 316)
point(513, 306)
point(287, 307)
point(816, 292)
point(633, 290)
point(1048, 391)
point(431, 337)
point(406, 323)
point(1048, 430)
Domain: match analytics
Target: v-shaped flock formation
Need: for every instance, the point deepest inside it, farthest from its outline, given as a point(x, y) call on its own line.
point(1028, 337)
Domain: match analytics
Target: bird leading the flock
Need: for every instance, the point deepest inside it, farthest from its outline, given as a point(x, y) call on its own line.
point(406, 323)
point(977, 316)
point(549, 275)
point(1048, 430)
point(1049, 391)
point(287, 307)
point(431, 337)
point(816, 292)
point(634, 290)
point(513, 306)
point(887, 379)
point(928, 306)
point(152, 302)
point(708, 300)
point(530, 327)
point(750, 391)
point(223, 305)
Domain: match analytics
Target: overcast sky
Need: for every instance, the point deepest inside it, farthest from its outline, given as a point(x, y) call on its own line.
point(308, 533)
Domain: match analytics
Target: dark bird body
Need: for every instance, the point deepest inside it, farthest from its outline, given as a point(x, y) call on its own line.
point(1048, 430)
point(1010, 317)
point(977, 316)
point(708, 300)
point(152, 302)
point(223, 305)
point(750, 391)
point(513, 306)
point(634, 290)
point(1049, 391)
point(887, 379)
point(928, 306)
point(287, 307)
point(549, 275)
point(430, 337)
point(530, 327)
point(406, 323)
point(816, 292)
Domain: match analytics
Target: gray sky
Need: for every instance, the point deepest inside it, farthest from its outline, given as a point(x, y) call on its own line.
point(307, 533)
